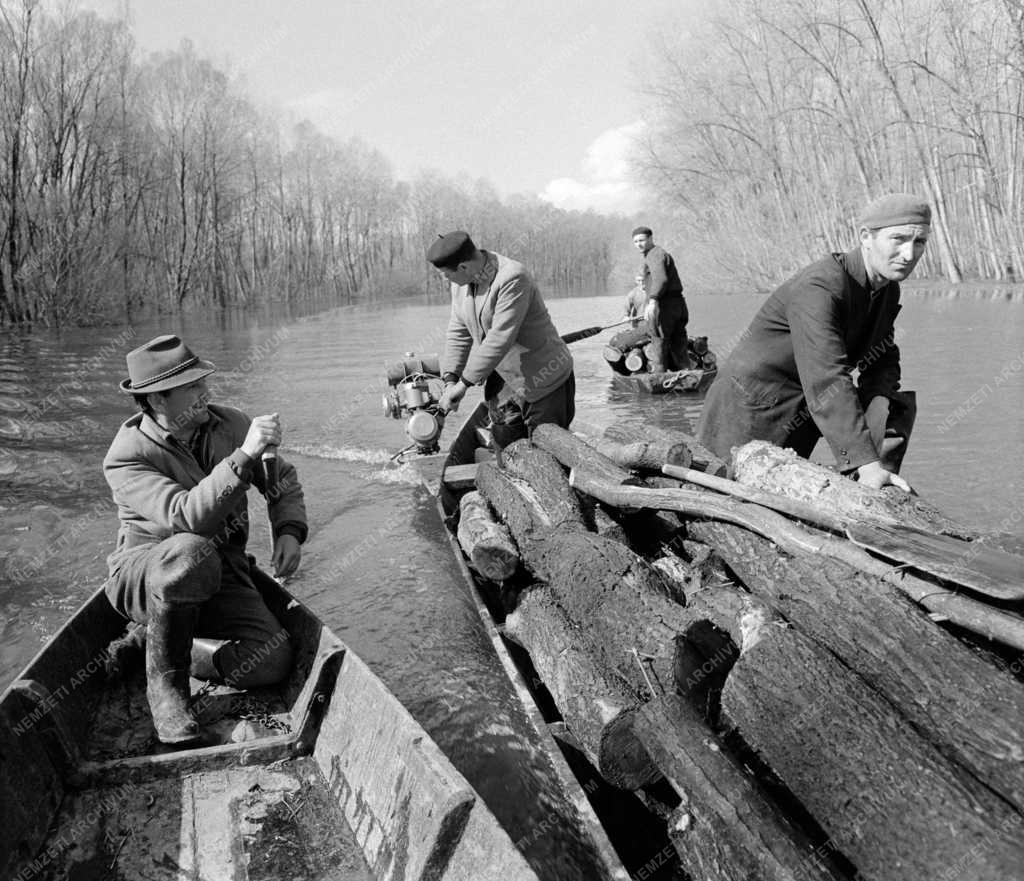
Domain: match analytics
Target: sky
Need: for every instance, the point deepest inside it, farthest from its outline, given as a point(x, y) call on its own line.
point(535, 97)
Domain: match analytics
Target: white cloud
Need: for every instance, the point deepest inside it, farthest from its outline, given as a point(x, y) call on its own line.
point(605, 184)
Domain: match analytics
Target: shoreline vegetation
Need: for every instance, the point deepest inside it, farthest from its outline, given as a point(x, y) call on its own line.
point(775, 121)
point(134, 184)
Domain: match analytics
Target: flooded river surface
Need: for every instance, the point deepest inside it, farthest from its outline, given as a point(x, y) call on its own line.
point(375, 567)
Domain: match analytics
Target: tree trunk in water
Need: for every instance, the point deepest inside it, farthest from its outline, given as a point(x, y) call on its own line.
point(886, 797)
point(596, 707)
point(971, 711)
point(726, 827)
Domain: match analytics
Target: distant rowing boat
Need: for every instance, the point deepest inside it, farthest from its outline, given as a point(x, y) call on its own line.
point(627, 357)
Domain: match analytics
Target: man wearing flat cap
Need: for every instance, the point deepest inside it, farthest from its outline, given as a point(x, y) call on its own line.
point(665, 312)
point(179, 471)
point(500, 333)
point(789, 380)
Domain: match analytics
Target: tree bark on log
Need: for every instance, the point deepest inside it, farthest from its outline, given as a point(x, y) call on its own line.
point(543, 473)
point(700, 457)
point(597, 708)
point(486, 543)
point(621, 603)
point(767, 467)
point(518, 509)
point(970, 614)
point(642, 447)
point(726, 827)
point(973, 712)
point(575, 453)
point(892, 804)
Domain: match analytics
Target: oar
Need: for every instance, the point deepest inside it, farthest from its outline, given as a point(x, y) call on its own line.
point(588, 332)
point(981, 568)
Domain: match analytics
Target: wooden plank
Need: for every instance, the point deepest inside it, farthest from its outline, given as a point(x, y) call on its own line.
point(978, 567)
point(459, 477)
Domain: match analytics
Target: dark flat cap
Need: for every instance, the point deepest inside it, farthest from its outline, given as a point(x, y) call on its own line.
point(896, 209)
point(642, 231)
point(451, 249)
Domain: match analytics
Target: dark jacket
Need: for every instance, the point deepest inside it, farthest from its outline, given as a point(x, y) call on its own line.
point(505, 328)
point(161, 489)
point(795, 362)
point(661, 279)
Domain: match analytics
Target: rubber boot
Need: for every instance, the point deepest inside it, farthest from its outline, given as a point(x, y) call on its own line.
point(168, 650)
point(204, 661)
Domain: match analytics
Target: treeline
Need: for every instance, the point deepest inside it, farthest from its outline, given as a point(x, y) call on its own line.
point(132, 185)
point(775, 121)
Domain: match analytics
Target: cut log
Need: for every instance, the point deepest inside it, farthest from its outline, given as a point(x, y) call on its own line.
point(514, 502)
point(548, 480)
point(596, 707)
point(573, 452)
point(726, 827)
point(700, 457)
point(970, 614)
point(978, 567)
point(767, 467)
point(635, 360)
point(892, 804)
point(642, 454)
point(612, 354)
point(620, 602)
point(971, 711)
point(486, 543)
point(650, 446)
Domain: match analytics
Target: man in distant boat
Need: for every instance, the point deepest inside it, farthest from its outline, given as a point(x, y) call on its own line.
point(500, 334)
point(789, 380)
point(636, 301)
point(179, 471)
point(666, 312)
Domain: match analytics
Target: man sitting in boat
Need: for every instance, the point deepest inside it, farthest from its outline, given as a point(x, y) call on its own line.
point(179, 471)
point(636, 301)
point(500, 333)
point(789, 380)
point(666, 312)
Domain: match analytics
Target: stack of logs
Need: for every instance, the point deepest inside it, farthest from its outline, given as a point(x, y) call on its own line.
point(813, 720)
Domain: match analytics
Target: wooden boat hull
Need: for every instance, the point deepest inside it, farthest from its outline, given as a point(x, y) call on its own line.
point(340, 776)
point(441, 476)
point(672, 382)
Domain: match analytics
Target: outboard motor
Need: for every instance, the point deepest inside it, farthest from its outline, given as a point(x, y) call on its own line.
point(415, 390)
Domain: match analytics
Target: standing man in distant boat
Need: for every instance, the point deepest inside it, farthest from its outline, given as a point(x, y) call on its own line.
point(666, 312)
point(789, 381)
point(500, 334)
point(179, 471)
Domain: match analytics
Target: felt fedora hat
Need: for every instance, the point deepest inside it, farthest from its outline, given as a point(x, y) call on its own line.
point(163, 363)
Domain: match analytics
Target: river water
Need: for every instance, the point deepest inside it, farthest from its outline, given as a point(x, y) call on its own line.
point(375, 567)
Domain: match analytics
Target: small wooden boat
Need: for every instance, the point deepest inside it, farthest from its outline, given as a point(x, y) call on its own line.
point(670, 382)
point(627, 358)
point(324, 777)
point(448, 476)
